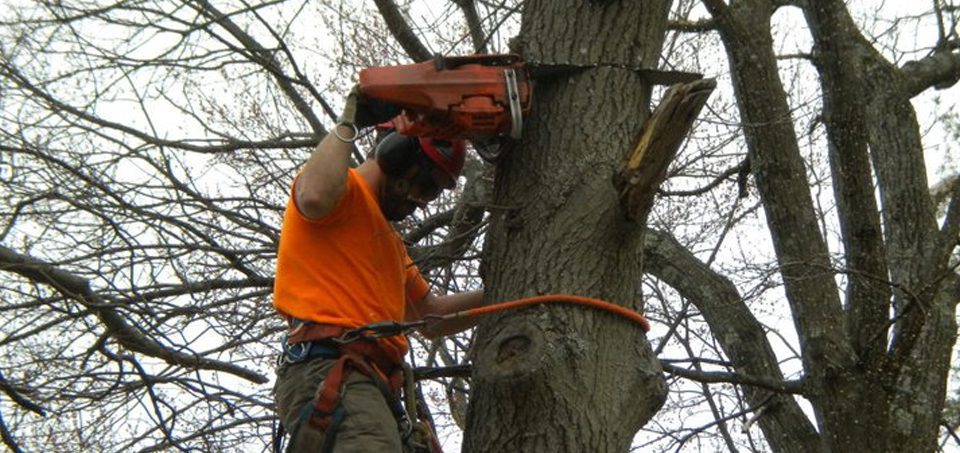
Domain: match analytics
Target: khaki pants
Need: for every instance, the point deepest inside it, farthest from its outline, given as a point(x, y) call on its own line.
point(369, 425)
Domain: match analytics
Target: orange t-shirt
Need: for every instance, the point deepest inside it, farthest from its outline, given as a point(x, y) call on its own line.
point(349, 268)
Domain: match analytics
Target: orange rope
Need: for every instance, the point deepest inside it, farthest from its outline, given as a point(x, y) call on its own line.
point(563, 298)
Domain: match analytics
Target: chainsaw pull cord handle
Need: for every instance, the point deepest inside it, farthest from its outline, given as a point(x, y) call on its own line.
point(348, 118)
point(360, 111)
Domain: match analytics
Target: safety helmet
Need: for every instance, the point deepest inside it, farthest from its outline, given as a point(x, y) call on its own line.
point(397, 153)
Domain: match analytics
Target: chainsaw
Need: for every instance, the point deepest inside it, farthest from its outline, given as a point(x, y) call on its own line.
point(480, 98)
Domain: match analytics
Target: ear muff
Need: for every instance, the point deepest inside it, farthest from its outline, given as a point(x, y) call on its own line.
point(397, 153)
point(400, 186)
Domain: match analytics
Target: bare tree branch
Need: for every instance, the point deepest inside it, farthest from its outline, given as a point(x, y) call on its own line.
point(11, 73)
point(402, 32)
point(474, 24)
point(714, 377)
point(738, 332)
point(724, 176)
point(950, 229)
point(717, 8)
point(16, 397)
point(7, 437)
point(131, 338)
point(259, 54)
point(692, 26)
point(940, 70)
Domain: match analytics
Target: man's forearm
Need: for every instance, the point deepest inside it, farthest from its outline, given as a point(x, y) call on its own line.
point(323, 178)
point(451, 303)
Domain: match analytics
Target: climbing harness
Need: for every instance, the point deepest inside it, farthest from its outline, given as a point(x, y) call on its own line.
point(354, 351)
point(357, 350)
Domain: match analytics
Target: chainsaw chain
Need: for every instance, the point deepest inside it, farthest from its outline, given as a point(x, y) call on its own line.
point(654, 76)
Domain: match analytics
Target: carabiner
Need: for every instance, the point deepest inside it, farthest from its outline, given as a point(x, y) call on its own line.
point(377, 330)
point(296, 352)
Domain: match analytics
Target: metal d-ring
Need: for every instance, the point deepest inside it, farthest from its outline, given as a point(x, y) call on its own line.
point(356, 132)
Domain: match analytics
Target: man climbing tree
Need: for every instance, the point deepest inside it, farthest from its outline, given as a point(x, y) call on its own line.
point(341, 266)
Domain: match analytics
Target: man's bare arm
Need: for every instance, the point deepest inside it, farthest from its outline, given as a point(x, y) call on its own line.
point(433, 304)
point(323, 179)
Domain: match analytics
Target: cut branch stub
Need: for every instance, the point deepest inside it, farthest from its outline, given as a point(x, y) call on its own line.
point(660, 137)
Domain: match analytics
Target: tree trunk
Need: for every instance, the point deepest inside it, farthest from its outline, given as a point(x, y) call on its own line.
point(558, 378)
point(802, 254)
point(867, 394)
point(867, 100)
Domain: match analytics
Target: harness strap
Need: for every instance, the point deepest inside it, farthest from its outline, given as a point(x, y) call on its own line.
point(328, 400)
point(278, 433)
point(330, 437)
point(310, 340)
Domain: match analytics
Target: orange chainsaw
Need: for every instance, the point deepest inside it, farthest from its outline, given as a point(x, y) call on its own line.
point(476, 97)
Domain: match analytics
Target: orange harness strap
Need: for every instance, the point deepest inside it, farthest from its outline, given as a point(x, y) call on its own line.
point(365, 358)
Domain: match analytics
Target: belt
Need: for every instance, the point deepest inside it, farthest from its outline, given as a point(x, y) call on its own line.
point(306, 340)
point(303, 351)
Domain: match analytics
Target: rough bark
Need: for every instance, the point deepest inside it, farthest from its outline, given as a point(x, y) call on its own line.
point(840, 63)
point(778, 170)
point(867, 300)
point(905, 391)
point(562, 378)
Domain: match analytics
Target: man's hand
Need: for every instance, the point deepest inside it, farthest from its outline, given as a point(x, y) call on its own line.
point(363, 111)
point(433, 305)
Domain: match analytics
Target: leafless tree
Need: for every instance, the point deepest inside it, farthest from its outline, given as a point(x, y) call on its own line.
point(148, 146)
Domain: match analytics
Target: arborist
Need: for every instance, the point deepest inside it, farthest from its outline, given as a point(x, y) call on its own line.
point(341, 266)
point(344, 282)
